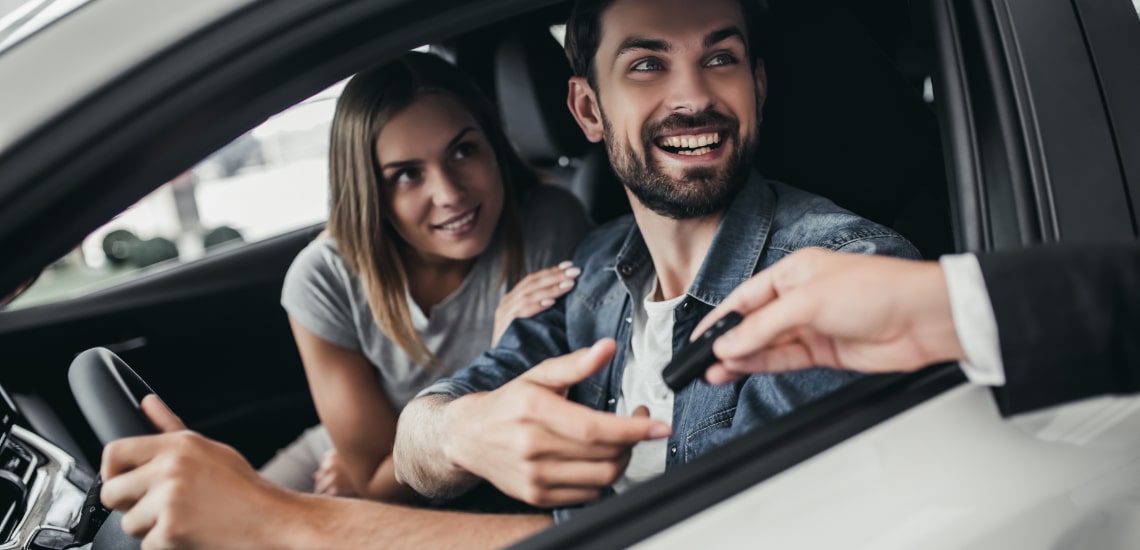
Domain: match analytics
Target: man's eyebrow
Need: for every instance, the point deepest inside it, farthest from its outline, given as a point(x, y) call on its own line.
point(460, 135)
point(640, 43)
point(719, 35)
point(406, 163)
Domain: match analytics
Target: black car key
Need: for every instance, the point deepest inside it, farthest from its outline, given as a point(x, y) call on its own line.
point(692, 361)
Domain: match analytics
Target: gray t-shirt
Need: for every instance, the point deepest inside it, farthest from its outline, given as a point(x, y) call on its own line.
point(322, 295)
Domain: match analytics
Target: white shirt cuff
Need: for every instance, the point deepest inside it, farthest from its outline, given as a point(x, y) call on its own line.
point(973, 319)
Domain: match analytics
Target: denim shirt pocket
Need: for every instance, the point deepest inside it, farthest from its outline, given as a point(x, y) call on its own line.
point(590, 392)
point(709, 433)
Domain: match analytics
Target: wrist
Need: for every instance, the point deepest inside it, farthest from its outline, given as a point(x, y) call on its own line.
point(452, 432)
point(933, 320)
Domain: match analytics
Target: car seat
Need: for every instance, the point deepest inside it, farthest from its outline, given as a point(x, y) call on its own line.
point(531, 72)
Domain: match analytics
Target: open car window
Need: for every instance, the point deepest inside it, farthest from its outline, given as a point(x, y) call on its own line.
point(270, 180)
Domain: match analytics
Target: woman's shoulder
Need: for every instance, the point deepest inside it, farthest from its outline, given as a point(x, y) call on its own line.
point(319, 260)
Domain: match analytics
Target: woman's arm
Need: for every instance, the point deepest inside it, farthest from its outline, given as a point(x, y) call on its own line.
point(353, 408)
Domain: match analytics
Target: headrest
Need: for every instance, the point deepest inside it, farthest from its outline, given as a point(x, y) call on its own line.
point(531, 72)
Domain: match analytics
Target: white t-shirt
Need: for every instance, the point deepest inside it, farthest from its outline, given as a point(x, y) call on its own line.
point(650, 350)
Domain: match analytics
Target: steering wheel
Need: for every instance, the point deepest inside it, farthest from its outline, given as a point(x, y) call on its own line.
point(109, 394)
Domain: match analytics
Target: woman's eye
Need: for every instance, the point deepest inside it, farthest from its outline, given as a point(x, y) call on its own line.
point(722, 59)
point(646, 65)
point(405, 176)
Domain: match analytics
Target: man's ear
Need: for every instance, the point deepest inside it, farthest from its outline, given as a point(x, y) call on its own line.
point(761, 77)
point(583, 104)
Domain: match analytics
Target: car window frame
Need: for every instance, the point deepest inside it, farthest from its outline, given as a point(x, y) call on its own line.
point(1114, 54)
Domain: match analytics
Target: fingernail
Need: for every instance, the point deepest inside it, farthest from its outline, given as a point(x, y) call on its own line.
point(660, 430)
point(547, 302)
point(565, 264)
point(573, 272)
point(565, 284)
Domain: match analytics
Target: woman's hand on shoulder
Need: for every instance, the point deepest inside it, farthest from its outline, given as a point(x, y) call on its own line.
point(533, 294)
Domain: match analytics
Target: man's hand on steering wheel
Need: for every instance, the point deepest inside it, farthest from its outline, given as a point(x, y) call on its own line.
point(178, 489)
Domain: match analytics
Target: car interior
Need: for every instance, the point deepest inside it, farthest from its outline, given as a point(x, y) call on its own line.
point(848, 116)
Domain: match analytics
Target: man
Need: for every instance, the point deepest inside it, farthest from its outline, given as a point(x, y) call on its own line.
point(675, 92)
point(1044, 325)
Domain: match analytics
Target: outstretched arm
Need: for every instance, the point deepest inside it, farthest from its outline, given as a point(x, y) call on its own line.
point(851, 311)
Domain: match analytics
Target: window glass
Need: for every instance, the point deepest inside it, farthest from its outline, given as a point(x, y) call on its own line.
point(271, 180)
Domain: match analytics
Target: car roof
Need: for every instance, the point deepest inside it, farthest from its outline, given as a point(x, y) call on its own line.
point(44, 74)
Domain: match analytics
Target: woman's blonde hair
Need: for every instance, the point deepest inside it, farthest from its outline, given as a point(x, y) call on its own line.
point(364, 236)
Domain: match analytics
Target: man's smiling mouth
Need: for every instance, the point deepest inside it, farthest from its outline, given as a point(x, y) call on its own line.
point(691, 144)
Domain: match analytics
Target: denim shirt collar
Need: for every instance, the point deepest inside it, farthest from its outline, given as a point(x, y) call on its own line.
point(732, 258)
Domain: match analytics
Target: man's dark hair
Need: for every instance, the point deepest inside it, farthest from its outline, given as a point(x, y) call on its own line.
point(584, 32)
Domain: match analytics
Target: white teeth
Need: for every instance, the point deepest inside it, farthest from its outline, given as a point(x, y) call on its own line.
point(460, 222)
point(691, 142)
point(694, 152)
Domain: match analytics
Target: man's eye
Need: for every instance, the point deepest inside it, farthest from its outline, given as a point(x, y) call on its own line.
point(722, 59)
point(465, 149)
point(647, 65)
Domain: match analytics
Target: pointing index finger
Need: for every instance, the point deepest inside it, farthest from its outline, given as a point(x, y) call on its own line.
point(582, 424)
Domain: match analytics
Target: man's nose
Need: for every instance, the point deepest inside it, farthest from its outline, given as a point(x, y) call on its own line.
point(689, 92)
point(447, 189)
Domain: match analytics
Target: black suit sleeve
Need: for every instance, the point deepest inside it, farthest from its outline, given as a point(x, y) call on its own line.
point(1068, 322)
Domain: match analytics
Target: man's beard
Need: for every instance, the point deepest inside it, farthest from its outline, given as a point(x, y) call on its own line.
point(701, 191)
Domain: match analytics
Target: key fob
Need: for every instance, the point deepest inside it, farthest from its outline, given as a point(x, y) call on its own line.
point(691, 362)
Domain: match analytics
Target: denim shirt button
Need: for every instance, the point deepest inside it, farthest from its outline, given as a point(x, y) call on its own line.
point(673, 449)
point(625, 269)
point(611, 401)
point(685, 305)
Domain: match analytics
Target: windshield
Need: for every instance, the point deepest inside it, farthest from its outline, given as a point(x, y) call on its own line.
point(20, 19)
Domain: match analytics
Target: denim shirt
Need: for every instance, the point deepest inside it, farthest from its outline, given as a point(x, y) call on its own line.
point(765, 222)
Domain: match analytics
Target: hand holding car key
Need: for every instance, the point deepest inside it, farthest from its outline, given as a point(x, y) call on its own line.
point(692, 361)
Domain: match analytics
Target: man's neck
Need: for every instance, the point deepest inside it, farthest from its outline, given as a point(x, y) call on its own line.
point(678, 247)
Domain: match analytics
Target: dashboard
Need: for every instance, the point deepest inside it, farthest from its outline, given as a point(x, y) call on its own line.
point(42, 488)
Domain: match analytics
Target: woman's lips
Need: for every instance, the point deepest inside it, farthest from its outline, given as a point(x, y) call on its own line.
point(459, 224)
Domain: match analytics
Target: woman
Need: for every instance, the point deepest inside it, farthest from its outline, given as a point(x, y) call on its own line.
point(433, 217)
